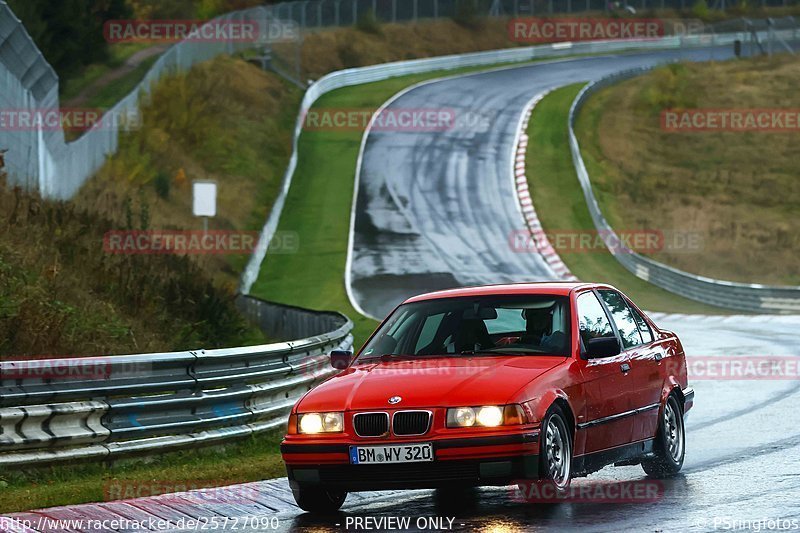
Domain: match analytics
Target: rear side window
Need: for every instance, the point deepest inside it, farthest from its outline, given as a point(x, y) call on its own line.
point(644, 329)
point(623, 318)
point(592, 318)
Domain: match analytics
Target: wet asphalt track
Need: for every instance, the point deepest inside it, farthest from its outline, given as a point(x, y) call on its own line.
point(437, 209)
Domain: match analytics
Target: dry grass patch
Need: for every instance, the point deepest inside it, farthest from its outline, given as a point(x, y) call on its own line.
point(738, 192)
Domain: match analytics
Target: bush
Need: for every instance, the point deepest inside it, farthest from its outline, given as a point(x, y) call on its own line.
point(162, 185)
point(468, 15)
point(669, 89)
point(63, 293)
point(700, 10)
point(369, 23)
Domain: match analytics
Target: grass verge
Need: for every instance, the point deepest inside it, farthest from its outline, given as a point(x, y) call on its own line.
point(251, 460)
point(727, 201)
point(559, 202)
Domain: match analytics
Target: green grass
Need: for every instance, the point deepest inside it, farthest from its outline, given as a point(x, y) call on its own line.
point(112, 93)
point(251, 460)
point(560, 205)
point(118, 54)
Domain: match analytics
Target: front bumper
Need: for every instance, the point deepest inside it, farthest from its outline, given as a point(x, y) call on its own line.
point(472, 461)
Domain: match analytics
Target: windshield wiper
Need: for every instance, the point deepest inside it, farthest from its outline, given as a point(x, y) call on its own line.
point(481, 352)
point(504, 351)
point(390, 356)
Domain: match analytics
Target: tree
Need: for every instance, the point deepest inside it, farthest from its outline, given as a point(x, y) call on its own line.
point(69, 32)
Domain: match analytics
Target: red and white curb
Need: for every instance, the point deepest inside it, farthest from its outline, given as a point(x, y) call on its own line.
point(262, 505)
point(537, 235)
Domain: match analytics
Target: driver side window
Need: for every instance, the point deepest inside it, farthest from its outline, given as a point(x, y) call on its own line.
point(592, 318)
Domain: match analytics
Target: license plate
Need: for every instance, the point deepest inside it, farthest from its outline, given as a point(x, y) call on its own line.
point(399, 453)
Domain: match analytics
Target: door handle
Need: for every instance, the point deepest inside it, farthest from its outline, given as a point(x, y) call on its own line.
point(659, 356)
point(625, 367)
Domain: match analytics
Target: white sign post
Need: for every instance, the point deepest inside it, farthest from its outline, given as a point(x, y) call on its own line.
point(204, 200)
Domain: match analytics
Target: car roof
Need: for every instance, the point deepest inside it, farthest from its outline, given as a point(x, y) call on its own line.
point(559, 288)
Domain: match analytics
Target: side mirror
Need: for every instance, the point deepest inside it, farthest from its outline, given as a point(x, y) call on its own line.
point(602, 347)
point(340, 359)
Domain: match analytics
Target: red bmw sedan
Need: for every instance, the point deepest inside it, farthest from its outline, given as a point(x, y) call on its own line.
point(493, 385)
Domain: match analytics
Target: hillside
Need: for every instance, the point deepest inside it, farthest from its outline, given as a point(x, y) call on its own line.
point(734, 193)
point(61, 294)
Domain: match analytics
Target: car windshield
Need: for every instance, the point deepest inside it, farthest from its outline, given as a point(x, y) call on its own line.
point(485, 325)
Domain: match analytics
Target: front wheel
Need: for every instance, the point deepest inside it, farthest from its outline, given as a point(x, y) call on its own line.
point(669, 447)
point(318, 500)
point(555, 450)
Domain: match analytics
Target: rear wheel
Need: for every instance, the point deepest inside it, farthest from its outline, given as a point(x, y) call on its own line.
point(318, 499)
point(670, 444)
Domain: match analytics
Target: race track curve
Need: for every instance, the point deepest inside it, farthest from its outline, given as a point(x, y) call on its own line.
point(438, 209)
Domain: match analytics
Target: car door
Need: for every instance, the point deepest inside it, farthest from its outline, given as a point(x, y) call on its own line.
point(645, 360)
point(607, 388)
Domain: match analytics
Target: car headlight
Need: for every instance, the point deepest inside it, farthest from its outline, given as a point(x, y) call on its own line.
point(311, 423)
point(490, 416)
point(485, 416)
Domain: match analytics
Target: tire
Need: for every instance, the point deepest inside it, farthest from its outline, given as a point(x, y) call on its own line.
point(318, 500)
point(670, 443)
point(555, 450)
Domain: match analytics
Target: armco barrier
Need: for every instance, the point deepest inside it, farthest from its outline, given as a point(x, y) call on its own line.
point(742, 296)
point(102, 408)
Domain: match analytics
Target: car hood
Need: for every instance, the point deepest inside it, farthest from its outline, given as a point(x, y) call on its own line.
point(428, 382)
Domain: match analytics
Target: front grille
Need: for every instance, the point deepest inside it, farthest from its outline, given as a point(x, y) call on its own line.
point(371, 424)
point(407, 423)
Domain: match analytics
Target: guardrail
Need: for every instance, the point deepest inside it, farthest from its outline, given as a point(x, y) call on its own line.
point(360, 75)
point(103, 408)
point(741, 296)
